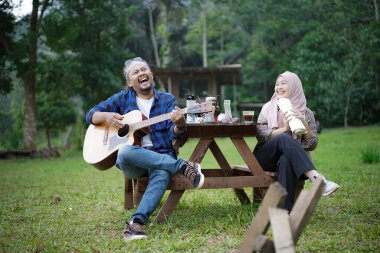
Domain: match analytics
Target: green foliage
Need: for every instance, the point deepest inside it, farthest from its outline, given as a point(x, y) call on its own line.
point(278, 30)
point(333, 46)
point(328, 45)
point(95, 41)
point(10, 134)
point(7, 26)
point(342, 85)
point(54, 114)
point(11, 120)
point(223, 28)
point(58, 81)
point(64, 205)
point(370, 155)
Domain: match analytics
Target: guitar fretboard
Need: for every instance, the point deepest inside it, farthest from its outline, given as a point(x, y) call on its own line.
point(152, 121)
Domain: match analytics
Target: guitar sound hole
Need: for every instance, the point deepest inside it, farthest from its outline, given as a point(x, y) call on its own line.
point(123, 131)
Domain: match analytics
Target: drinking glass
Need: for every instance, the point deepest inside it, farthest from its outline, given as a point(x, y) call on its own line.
point(248, 116)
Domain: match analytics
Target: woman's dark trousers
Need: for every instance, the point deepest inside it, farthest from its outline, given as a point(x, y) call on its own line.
point(284, 155)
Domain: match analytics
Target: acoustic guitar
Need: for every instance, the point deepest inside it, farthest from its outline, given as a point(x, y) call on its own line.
point(102, 142)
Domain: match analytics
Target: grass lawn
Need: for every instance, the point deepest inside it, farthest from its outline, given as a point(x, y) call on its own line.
point(64, 205)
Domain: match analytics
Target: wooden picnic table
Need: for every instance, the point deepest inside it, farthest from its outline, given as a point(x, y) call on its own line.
point(227, 176)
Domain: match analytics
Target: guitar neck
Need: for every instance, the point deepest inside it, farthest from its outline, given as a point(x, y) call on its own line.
point(154, 120)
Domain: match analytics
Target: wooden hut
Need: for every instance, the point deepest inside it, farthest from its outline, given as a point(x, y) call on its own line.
point(198, 81)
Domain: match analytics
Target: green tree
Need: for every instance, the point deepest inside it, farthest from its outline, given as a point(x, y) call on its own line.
point(54, 114)
point(277, 30)
point(29, 75)
point(338, 63)
point(96, 42)
point(22, 54)
point(11, 119)
point(7, 26)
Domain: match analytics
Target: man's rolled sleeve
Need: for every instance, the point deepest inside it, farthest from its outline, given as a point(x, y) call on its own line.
point(175, 136)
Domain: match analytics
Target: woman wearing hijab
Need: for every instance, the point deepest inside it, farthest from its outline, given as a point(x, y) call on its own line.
point(280, 150)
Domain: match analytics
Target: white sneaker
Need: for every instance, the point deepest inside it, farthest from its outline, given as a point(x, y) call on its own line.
point(330, 186)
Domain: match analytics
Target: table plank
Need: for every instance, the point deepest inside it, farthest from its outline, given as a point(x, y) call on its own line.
point(219, 130)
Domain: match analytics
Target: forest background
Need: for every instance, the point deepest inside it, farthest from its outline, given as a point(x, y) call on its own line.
point(67, 55)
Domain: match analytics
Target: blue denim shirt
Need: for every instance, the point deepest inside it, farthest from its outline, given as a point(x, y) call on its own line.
point(162, 133)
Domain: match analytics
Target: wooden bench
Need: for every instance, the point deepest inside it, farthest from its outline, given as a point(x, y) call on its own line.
point(214, 179)
point(259, 193)
point(134, 189)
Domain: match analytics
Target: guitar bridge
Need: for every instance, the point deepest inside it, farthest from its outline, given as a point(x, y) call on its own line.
point(105, 136)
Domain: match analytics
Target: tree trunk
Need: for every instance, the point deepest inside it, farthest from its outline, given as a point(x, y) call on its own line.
point(165, 44)
point(377, 20)
point(48, 138)
point(66, 138)
point(347, 106)
point(153, 37)
point(30, 79)
point(30, 84)
point(222, 48)
point(204, 37)
point(361, 115)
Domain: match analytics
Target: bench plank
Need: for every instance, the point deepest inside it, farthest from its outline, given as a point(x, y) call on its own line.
point(304, 208)
point(260, 223)
point(282, 233)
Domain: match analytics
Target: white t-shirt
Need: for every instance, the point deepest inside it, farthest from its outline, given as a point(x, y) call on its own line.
point(144, 107)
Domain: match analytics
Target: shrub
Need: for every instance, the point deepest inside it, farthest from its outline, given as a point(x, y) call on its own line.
point(370, 155)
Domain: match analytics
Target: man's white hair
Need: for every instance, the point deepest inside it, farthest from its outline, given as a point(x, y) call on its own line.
point(129, 63)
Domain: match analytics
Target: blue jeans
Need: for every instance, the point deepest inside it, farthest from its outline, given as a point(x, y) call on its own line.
point(135, 161)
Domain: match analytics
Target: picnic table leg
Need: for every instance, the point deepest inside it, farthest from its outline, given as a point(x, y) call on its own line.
point(169, 205)
point(250, 159)
point(200, 150)
point(175, 195)
point(258, 194)
point(247, 155)
point(226, 170)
